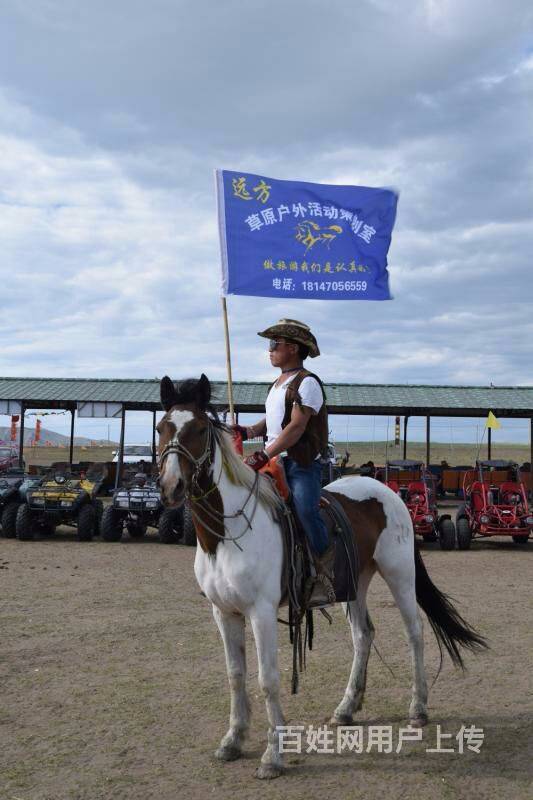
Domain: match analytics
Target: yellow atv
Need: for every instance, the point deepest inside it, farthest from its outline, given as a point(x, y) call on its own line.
point(66, 496)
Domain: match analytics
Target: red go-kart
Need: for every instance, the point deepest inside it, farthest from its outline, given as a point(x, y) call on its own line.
point(495, 504)
point(416, 486)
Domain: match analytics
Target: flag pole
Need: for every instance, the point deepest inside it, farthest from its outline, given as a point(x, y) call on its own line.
point(228, 360)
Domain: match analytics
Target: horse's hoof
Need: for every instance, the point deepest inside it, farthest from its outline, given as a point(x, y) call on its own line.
point(342, 719)
point(267, 772)
point(419, 721)
point(228, 753)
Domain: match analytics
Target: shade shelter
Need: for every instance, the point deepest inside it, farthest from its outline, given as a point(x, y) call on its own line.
point(112, 398)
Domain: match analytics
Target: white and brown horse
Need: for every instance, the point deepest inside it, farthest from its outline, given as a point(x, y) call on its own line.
point(239, 561)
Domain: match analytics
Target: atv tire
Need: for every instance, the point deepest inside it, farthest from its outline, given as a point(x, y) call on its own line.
point(86, 523)
point(189, 531)
point(522, 539)
point(170, 526)
point(111, 525)
point(447, 534)
point(136, 530)
point(25, 524)
point(464, 534)
point(9, 520)
point(430, 537)
point(99, 509)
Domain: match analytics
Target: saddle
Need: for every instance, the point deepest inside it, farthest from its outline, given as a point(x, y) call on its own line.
point(300, 572)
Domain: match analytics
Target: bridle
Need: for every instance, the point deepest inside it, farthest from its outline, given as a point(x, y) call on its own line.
point(175, 446)
point(219, 518)
point(178, 448)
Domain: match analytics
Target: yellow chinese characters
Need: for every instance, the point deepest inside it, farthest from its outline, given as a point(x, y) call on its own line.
point(304, 266)
point(262, 190)
point(240, 190)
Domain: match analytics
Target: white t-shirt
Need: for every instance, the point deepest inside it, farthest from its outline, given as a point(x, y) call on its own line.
point(311, 395)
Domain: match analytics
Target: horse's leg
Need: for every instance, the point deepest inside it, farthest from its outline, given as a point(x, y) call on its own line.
point(231, 627)
point(362, 636)
point(397, 567)
point(265, 628)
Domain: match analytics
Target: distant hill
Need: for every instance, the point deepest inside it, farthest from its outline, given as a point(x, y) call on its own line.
point(53, 438)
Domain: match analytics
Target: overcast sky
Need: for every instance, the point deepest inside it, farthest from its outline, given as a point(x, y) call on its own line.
point(113, 115)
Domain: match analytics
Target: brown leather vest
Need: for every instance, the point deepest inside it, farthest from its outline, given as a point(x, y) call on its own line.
point(314, 440)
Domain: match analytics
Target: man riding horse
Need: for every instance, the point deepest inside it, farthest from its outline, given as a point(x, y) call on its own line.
point(296, 427)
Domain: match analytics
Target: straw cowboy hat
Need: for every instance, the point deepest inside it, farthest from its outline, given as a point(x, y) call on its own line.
point(294, 331)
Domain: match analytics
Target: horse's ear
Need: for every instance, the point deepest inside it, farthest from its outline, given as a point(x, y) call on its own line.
point(168, 393)
point(203, 392)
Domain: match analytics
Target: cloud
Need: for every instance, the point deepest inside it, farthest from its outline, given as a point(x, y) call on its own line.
point(114, 115)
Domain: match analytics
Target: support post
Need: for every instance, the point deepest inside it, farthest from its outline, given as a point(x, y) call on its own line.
point(405, 420)
point(153, 438)
point(531, 458)
point(428, 437)
point(121, 447)
point(21, 436)
point(71, 451)
point(228, 361)
point(489, 443)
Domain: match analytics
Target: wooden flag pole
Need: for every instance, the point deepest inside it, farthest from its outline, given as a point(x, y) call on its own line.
point(228, 361)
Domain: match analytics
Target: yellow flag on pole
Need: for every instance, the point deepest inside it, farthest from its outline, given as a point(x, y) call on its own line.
point(492, 422)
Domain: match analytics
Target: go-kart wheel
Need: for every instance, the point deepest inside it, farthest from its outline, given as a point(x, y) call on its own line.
point(86, 523)
point(170, 526)
point(430, 537)
point(111, 525)
point(464, 534)
point(523, 539)
point(136, 530)
point(9, 520)
point(25, 524)
point(447, 534)
point(189, 531)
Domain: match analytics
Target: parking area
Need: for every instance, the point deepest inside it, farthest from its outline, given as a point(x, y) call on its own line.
point(114, 682)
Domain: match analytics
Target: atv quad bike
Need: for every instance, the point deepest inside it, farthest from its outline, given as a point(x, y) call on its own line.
point(495, 504)
point(14, 484)
point(417, 488)
point(136, 505)
point(66, 496)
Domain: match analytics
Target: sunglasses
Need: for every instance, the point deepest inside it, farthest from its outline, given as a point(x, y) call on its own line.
point(273, 344)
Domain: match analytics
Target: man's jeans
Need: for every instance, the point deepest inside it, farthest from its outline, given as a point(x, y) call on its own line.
point(304, 483)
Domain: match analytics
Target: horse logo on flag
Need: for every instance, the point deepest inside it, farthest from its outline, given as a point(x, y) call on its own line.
point(309, 233)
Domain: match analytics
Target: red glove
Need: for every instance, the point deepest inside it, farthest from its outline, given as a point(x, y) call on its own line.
point(257, 460)
point(241, 431)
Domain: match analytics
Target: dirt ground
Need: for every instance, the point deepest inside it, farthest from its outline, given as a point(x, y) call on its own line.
point(113, 683)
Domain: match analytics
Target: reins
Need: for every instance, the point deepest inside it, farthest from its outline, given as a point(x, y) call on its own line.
point(199, 498)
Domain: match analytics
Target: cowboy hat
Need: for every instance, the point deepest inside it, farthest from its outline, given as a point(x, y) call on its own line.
point(294, 331)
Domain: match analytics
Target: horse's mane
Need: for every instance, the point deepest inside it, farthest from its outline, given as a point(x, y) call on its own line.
point(240, 473)
point(197, 392)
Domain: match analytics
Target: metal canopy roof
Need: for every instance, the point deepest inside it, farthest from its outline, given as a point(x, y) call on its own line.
point(342, 398)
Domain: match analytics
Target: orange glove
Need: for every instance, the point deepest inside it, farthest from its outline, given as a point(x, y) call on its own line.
point(257, 460)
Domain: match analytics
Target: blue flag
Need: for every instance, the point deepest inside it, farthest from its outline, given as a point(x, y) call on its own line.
point(303, 240)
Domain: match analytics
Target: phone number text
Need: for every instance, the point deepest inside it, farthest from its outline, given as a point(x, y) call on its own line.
point(334, 286)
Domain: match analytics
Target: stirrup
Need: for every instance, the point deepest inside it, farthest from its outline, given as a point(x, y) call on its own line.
point(319, 592)
point(328, 586)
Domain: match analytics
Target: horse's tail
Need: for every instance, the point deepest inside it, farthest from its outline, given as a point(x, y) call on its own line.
point(449, 627)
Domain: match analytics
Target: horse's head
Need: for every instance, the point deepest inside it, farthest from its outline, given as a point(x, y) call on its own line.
point(183, 435)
